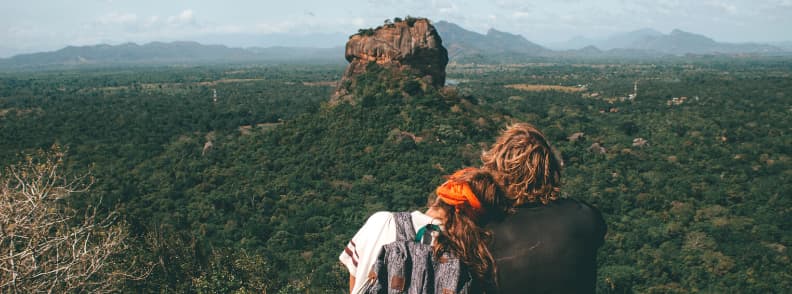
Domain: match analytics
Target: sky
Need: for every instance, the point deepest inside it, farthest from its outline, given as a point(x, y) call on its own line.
point(43, 25)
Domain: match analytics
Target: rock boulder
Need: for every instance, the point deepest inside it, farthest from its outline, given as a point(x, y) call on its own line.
point(412, 46)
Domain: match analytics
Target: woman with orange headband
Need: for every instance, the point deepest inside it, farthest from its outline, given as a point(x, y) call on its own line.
point(454, 221)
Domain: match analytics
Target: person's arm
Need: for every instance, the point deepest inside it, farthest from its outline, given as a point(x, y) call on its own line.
point(362, 243)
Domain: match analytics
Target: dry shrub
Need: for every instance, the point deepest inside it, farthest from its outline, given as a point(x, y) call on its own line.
point(48, 246)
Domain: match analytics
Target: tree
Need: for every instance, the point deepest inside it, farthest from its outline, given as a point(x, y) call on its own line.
point(46, 245)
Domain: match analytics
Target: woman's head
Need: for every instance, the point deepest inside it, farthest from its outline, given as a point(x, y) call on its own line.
point(474, 192)
point(470, 198)
point(530, 170)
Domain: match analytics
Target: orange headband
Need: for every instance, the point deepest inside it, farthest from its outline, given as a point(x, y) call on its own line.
point(455, 192)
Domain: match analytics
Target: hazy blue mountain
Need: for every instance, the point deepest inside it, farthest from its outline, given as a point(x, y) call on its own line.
point(786, 46)
point(507, 42)
point(588, 51)
point(296, 40)
point(166, 53)
point(458, 41)
point(677, 42)
point(462, 43)
point(8, 52)
point(576, 42)
point(298, 53)
point(627, 40)
point(620, 40)
point(155, 52)
point(497, 46)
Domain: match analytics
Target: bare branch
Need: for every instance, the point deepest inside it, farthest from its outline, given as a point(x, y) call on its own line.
point(45, 245)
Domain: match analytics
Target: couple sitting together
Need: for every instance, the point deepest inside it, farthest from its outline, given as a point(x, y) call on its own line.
point(501, 228)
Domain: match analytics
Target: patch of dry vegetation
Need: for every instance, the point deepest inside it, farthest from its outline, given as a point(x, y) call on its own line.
point(168, 86)
point(322, 83)
point(541, 88)
point(19, 111)
point(247, 129)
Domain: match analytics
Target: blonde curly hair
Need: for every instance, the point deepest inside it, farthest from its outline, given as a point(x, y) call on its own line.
point(529, 169)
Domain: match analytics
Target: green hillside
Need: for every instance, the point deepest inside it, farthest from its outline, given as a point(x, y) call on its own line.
point(289, 177)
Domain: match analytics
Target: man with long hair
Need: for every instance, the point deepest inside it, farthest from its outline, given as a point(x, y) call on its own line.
point(549, 244)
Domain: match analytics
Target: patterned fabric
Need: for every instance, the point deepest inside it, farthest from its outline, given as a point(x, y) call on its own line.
point(362, 250)
point(405, 266)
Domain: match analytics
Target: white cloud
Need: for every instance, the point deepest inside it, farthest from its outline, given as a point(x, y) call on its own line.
point(114, 21)
point(151, 21)
point(514, 5)
point(269, 28)
point(132, 22)
point(224, 29)
point(782, 4)
point(307, 24)
point(358, 21)
point(444, 6)
point(729, 8)
point(185, 17)
point(117, 18)
point(18, 31)
point(521, 14)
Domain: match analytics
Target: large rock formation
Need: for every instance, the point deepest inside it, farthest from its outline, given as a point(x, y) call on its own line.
point(411, 46)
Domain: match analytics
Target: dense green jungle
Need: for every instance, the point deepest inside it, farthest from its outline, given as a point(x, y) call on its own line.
point(237, 179)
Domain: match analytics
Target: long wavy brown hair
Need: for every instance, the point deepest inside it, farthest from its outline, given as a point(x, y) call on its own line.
point(464, 232)
point(530, 170)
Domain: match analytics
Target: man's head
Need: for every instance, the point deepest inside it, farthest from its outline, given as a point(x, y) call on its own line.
point(529, 168)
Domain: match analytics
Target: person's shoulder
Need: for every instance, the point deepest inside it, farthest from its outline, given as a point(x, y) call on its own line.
point(587, 215)
point(592, 210)
point(559, 207)
point(380, 217)
point(577, 208)
point(565, 214)
point(375, 223)
point(580, 206)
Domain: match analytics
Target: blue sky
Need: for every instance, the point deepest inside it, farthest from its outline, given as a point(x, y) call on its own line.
point(35, 25)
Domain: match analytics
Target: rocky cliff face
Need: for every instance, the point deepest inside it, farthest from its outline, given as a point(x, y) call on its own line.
point(411, 46)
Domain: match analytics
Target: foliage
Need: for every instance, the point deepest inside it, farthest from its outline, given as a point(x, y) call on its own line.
point(387, 23)
point(234, 272)
point(411, 20)
point(366, 32)
point(290, 178)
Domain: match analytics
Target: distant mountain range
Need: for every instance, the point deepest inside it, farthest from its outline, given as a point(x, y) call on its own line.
point(463, 43)
point(463, 46)
point(159, 53)
point(622, 40)
point(677, 42)
point(787, 46)
point(645, 43)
